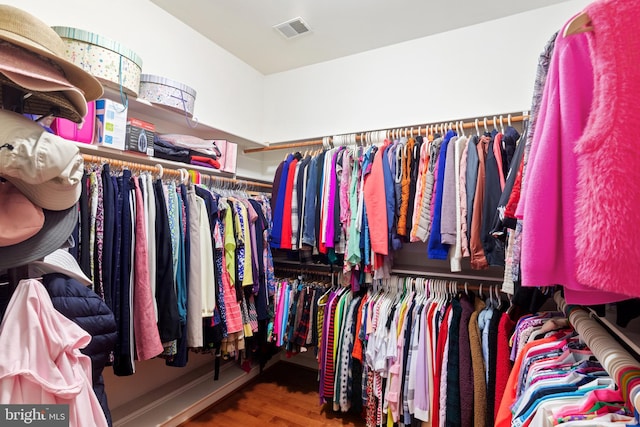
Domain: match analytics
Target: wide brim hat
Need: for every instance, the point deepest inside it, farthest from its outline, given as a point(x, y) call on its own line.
point(25, 30)
point(58, 226)
point(59, 261)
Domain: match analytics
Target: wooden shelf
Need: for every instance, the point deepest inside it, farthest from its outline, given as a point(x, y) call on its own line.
point(167, 120)
point(134, 157)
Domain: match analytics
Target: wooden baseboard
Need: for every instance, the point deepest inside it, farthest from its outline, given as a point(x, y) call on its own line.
point(173, 405)
point(307, 359)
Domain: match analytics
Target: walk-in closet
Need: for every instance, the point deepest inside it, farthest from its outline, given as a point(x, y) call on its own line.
point(319, 213)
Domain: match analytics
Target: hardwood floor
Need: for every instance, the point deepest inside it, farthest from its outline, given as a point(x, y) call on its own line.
point(284, 395)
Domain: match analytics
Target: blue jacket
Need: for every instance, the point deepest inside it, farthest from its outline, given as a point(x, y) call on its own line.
point(85, 308)
point(436, 249)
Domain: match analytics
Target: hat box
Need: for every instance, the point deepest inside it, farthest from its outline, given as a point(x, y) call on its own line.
point(169, 93)
point(113, 64)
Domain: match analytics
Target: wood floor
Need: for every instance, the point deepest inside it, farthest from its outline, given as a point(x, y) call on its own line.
point(284, 395)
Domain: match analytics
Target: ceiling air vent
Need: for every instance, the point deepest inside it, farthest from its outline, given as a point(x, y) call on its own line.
point(292, 28)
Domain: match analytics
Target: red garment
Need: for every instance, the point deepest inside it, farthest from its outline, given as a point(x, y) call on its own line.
point(514, 198)
point(376, 204)
point(497, 144)
point(285, 236)
point(213, 162)
point(321, 246)
point(147, 337)
point(356, 353)
point(443, 333)
point(478, 258)
point(503, 361)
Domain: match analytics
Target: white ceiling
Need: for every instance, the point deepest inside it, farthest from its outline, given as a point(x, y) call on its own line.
point(339, 27)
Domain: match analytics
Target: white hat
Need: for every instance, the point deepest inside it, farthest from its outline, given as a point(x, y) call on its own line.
point(44, 167)
point(59, 261)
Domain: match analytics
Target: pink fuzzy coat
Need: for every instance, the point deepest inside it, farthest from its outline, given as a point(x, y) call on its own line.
point(608, 160)
point(547, 204)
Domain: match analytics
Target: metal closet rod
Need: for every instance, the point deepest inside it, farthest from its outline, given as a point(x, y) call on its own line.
point(446, 276)
point(314, 272)
point(163, 171)
point(413, 130)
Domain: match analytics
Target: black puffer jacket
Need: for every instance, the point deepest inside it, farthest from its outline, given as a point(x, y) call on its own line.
point(84, 307)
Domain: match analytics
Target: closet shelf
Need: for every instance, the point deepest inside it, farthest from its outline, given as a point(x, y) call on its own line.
point(100, 153)
point(170, 121)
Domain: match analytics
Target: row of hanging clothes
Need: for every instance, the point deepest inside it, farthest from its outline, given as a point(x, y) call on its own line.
point(182, 265)
point(412, 350)
point(558, 380)
point(356, 204)
point(406, 349)
point(296, 310)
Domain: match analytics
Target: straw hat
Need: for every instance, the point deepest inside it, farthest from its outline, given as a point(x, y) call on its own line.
point(28, 32)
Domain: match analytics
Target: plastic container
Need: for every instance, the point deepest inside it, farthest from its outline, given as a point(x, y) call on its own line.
point(72, 131)
point(110, 62)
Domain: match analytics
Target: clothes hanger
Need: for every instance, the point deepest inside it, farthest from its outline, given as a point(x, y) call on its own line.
point(509, 120)
point(579, 24)
point(477, 129)
point(501, 125)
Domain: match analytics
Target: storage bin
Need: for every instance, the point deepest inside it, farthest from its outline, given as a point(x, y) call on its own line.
point(70, 130)
point(113, 64)
point(169, 93)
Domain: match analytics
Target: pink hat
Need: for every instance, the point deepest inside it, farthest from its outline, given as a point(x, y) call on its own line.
point(31, 239)
point(19, 218)
point(37, 74)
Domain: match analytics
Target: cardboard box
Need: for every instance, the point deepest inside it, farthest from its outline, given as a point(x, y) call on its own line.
point(111, 124)
point(140, 136)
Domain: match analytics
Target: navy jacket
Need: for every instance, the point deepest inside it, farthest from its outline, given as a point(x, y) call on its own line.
point(85, 308)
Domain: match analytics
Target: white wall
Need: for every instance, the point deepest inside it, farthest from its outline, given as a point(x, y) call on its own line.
point(483, 69)
point(230, 92)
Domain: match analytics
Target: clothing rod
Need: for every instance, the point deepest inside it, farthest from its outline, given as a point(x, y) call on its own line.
point(303, 271)
point(452, 276)
point(413, 130)
point(163, 171)
point(617, 361)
